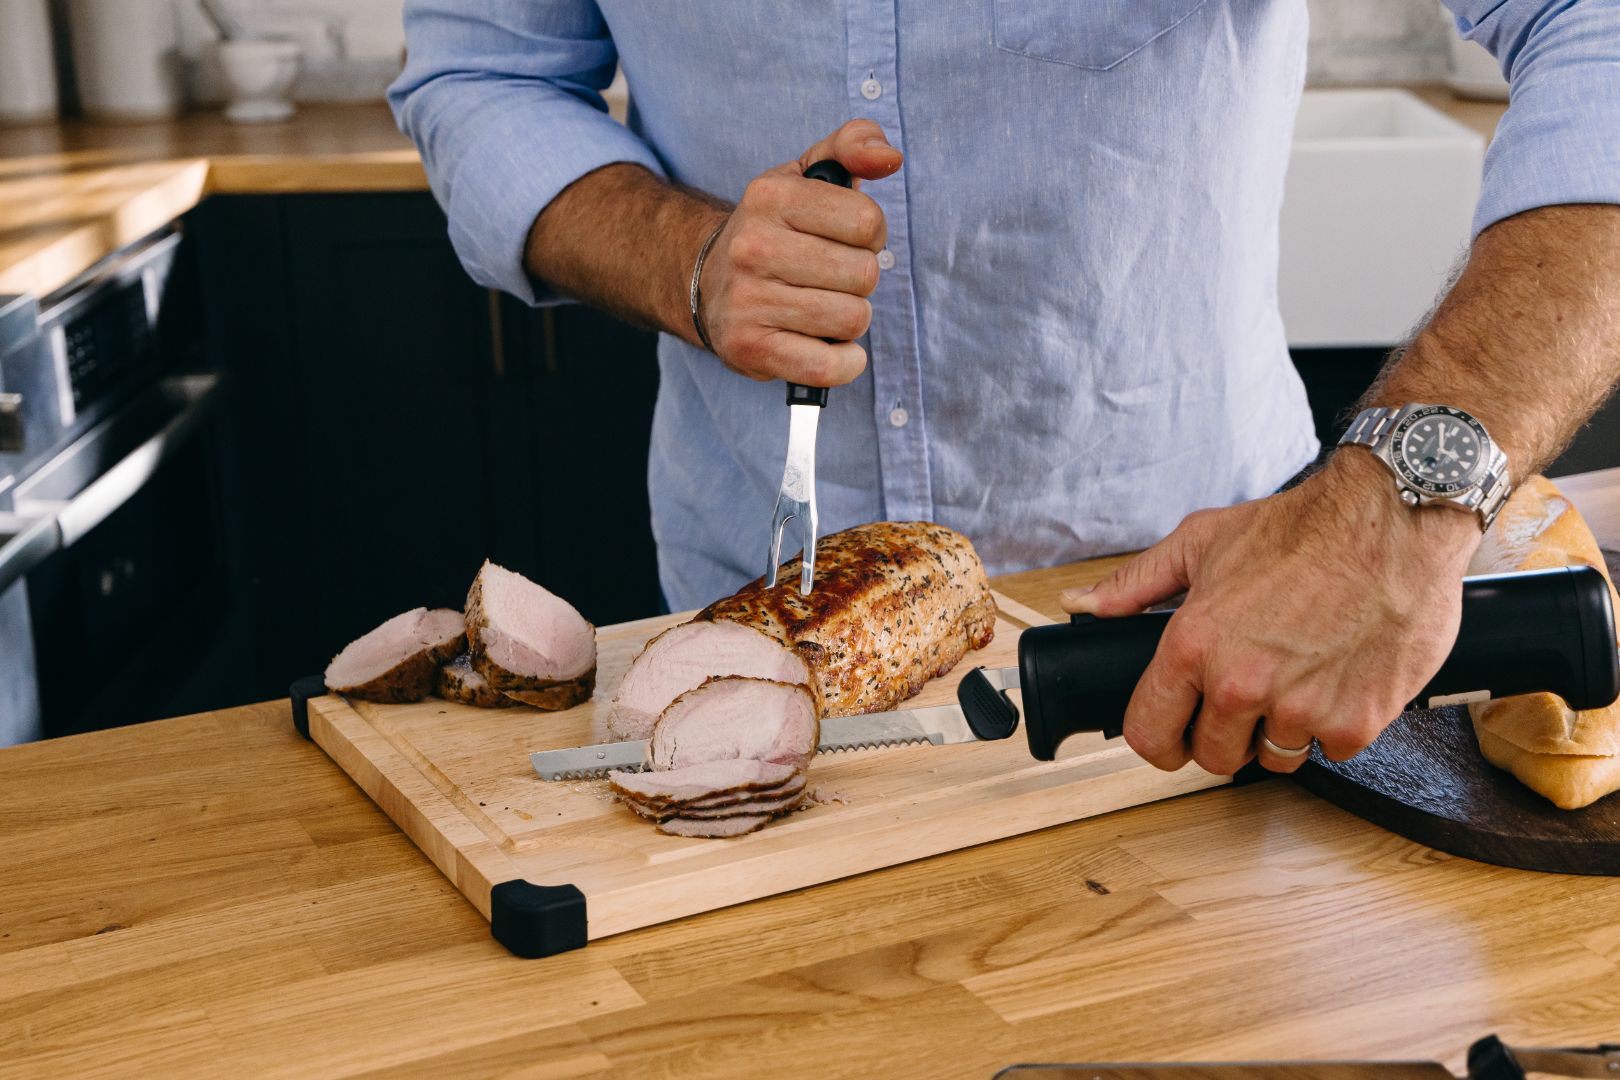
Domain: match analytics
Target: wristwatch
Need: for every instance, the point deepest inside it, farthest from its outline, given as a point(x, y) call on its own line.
point(1439, 456)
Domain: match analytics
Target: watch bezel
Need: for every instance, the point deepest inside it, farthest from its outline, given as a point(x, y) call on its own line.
point(1397, 440)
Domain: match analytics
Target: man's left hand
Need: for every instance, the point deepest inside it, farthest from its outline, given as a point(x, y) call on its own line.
point(1318, 612)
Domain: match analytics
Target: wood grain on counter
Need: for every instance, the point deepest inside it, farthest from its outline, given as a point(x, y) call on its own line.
point(74, 193)
point(211, 896)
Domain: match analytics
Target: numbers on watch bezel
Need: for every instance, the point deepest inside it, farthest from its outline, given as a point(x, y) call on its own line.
point(1397, 456)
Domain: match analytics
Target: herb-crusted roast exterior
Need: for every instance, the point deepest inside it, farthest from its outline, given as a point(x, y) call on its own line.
point(895, 604)
point(458, 681)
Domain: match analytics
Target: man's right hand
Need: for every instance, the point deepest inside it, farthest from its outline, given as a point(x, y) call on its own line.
point(785, 284)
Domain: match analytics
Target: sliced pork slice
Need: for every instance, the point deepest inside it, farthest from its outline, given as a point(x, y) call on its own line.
point(713, 828)
point(792, 786)
point(776, 804)
point(737, 717)
point(524, 638)
point(562, 695)
point(458, 682)
point(682, 657)
point(398, 661)
point(701, 781)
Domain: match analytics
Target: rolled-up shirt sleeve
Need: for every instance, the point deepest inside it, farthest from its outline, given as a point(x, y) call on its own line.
point(1559, 141)
point(503, 99)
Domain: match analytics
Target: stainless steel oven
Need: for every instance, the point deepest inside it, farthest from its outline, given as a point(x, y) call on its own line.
point(113, 598)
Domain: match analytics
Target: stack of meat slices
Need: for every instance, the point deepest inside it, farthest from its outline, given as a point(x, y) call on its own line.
point(517, 642)
point(732, 698)
point(726, 757)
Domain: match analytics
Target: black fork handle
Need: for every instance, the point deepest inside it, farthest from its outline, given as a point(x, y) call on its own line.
point(833, 173)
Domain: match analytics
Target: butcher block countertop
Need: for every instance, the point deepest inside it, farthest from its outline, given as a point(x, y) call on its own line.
point(73, 193)
point(211, 896)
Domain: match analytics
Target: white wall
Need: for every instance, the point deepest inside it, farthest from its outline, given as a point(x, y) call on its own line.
point(1377, 41)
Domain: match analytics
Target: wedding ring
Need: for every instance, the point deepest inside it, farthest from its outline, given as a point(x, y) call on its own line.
point(1284, 751)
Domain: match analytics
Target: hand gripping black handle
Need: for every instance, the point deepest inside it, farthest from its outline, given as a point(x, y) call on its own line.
point(1537, 630)
point(833, 173)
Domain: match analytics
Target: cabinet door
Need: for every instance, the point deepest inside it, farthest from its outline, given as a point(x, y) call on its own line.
point(394, 371)
point(358, 360)
point(586, 420)
point(392, 424)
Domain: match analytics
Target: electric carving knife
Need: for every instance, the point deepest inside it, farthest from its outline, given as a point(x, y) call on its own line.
point(1550, 630)
point(797, 497)
point(937, 725)
point(1524, 632)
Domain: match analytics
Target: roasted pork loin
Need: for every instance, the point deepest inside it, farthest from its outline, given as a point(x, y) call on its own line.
point(399, 661)
point(527, 642)
point(895, 604)
point(737, 717)
point(683, 656)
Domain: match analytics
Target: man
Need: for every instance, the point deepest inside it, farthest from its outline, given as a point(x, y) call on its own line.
point(1055, 328)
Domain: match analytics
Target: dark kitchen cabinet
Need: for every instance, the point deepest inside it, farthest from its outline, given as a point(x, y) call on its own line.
point(392, 424)
point(1335, 379)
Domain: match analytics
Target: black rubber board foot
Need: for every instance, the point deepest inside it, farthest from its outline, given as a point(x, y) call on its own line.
point(537, 920)
point(300, 692)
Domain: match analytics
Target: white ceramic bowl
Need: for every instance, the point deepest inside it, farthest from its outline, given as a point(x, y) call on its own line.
point(259, 72)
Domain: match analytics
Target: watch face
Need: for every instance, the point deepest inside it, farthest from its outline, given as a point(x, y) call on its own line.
point(1439, 449)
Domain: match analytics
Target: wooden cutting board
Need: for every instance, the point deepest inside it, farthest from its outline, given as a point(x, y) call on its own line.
point(552, 865)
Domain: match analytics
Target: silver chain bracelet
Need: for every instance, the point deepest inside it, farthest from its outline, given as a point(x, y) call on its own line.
point(696, 293)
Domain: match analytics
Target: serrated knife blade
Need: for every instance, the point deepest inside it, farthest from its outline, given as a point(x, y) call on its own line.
point(937, 725)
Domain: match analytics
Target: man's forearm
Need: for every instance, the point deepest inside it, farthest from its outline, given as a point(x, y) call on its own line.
point(1528, 339)
point(624, 240)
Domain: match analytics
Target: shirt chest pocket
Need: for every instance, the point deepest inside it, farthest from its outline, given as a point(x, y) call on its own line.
point(1094, 34)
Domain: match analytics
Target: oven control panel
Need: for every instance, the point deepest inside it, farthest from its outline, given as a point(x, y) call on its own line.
point(66, 359)
point(98, 347)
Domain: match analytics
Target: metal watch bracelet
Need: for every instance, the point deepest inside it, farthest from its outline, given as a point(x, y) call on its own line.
point(1373, 426)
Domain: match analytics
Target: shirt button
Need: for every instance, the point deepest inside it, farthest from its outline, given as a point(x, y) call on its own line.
point(898, 417)
point(885, 259)
point(871, 89)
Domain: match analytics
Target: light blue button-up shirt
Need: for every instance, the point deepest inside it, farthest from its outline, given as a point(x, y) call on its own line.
point(1077, 341)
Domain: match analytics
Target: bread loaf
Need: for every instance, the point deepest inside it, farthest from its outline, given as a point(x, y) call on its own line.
point(1572, 758)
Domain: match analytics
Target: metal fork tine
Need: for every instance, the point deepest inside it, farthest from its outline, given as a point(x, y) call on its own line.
point(779, 522)
point(807, 560)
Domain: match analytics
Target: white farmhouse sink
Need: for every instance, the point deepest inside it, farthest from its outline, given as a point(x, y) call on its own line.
point(1380, 192)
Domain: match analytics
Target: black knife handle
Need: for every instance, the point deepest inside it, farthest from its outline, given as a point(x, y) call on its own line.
point(833, 173)
point(799, 394)
point(1537, 630)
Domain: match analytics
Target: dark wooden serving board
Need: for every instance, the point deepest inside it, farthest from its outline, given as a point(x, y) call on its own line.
point(1425, 779)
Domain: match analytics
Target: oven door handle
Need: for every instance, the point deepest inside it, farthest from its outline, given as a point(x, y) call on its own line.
point(112, 489)
point(32, 541)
